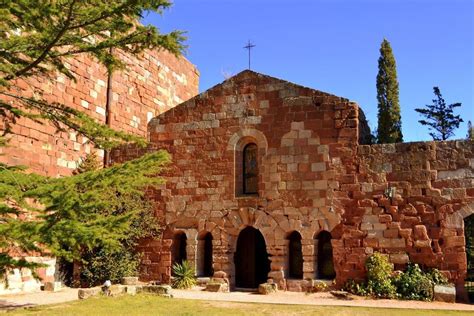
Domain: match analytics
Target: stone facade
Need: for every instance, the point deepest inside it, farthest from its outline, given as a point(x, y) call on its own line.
point(22, 280)
point(152, 83)
point(314, 175)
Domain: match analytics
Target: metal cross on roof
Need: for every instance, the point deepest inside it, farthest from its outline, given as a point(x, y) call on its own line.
point(249, 46)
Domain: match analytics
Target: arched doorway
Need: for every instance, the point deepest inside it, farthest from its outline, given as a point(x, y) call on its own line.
point(295, 256)
point(204, 256)
point(469, 235)
point(178, 250)
point(251, 259)
point(325, 261)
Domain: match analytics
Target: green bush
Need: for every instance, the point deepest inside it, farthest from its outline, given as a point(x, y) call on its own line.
point(414, 284)
point(100, 265)
point(184, 275)
point(379, 273)
point(437, 277)
point(354, 287)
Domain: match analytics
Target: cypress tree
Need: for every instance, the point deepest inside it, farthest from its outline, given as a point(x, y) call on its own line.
point(389, 120)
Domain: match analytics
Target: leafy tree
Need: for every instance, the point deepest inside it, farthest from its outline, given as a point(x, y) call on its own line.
point(439, 117)
point(470, 131)
point(389, 121)
point(68, 216)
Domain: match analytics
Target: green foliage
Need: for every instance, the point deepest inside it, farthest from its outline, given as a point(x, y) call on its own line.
point(382, 282)
point(184, 276)
point(89, 163)
point(389, 120)
point(379, 272)
point(437, 277)
point(100, 265)
point(79, 213)
point(92, 210)
point(38, 38)
point(357, 288)
point(439, 117)
point(414, 284)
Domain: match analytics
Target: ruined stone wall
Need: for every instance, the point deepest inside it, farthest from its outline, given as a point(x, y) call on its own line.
point(152, 83)
point(303, 136)
point(420, 220)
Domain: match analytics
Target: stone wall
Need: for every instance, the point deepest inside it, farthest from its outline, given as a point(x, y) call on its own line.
point(408, 201)
point(303, 138)
point(152, 83)
point(405, 200)
point(22, 280)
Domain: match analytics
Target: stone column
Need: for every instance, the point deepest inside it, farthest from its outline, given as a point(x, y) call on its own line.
point(279, 262)
point(315, 258)
point(191, 247)
point(309, 260)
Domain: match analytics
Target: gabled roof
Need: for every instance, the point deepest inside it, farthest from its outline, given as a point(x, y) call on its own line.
point(247, 75)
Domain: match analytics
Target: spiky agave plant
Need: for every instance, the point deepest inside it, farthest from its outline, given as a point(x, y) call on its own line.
point(184, 275)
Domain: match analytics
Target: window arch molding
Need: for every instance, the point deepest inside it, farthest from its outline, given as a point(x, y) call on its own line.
point(245, 136)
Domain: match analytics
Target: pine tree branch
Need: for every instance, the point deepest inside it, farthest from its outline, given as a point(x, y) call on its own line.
point(48, 47)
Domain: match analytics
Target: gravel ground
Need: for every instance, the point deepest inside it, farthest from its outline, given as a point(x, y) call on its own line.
point(11, 301)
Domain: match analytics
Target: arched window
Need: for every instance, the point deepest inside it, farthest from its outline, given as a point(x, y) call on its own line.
point(325, 262)
point(178, 250)
point(250, 169)
point(295, 256)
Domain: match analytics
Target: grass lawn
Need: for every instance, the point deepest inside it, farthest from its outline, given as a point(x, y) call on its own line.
point(153, 305)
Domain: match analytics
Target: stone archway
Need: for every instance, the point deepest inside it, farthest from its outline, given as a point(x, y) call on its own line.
point(295, 256)
point(178, 250)
point(469, 236)
point(325, 269)
point(204, 255)
point(251, 259)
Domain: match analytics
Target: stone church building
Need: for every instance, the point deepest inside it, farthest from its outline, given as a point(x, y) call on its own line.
point(272, 180)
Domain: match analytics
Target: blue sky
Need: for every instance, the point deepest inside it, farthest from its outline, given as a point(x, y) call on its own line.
point(333, 46)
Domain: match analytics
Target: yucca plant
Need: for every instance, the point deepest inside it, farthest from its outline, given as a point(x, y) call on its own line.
point(184, 275)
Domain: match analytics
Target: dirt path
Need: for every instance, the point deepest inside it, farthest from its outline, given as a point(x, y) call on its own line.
point(67, 294)
point(12, 301)
point(311, 299)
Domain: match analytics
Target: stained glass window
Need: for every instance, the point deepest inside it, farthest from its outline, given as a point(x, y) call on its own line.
point(250, 169)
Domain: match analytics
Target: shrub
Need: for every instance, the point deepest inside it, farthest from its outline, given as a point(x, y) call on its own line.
point(437, 277)
point(414, 284)
point(318, 286)
point(100, 265)
point(184, 275)
point(379, 272)
point(354, 287)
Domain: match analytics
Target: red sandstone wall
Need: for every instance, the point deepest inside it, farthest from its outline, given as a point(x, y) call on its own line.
point(151, 84)
point(302, 135)
point(314, 176)
point(422, 222)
